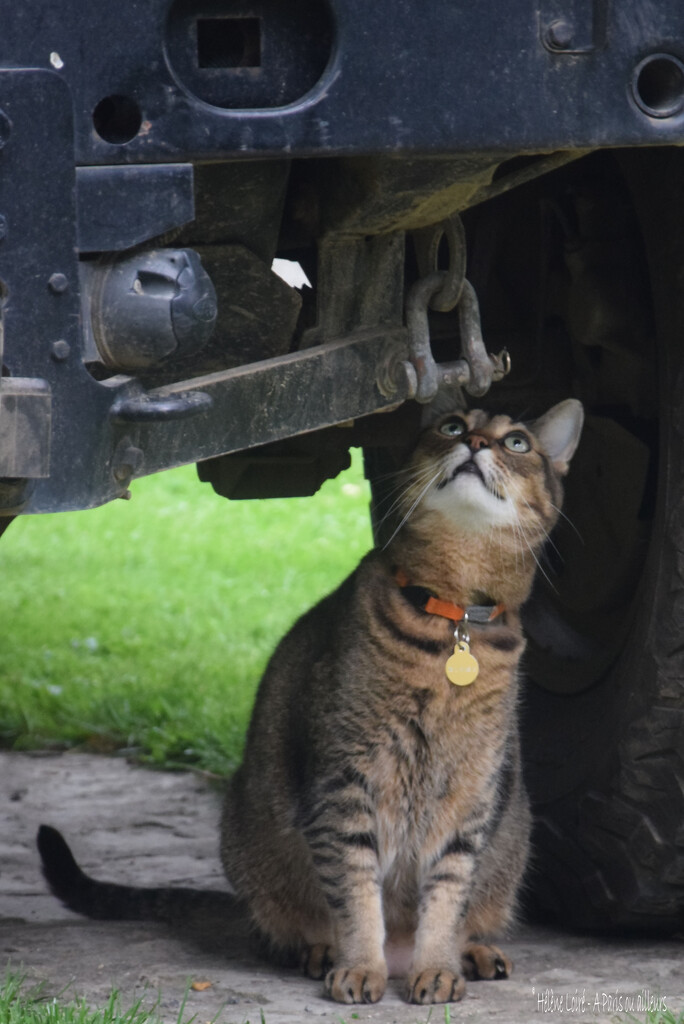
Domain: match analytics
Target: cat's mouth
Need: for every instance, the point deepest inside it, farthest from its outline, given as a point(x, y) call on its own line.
point(469, 466)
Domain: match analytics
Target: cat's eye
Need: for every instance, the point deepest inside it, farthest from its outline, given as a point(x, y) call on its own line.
point(454, 428)
point(517, 442)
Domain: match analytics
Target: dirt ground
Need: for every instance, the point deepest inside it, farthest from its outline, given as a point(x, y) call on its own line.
point(131, 825)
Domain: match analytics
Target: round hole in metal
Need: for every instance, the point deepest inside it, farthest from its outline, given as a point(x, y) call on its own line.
point(117, 119)
point(658, 85)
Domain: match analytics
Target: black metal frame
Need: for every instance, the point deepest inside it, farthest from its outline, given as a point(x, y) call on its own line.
point(325, 128)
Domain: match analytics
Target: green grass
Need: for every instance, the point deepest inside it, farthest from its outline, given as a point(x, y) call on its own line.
point(20, 1004)
point(145, 625)
point(658, 1017)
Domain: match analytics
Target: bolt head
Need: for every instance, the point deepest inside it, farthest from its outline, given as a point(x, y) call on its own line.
point(128, 460)
point(58, 283)
point(559, 34)
point(60, 350)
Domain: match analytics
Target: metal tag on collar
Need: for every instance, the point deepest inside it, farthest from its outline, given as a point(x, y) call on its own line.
point(461, 634)
point(462, 667)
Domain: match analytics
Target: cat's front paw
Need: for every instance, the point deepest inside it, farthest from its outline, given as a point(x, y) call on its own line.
point(356, 984)
point(435, 985)
point(485, 963)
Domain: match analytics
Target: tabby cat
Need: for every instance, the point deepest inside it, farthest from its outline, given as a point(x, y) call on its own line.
point(378, 823)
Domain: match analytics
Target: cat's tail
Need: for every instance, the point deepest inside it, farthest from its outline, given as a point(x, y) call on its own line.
point(109, 902)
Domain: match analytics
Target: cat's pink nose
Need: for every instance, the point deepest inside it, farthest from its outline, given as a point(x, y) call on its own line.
point(477, 441)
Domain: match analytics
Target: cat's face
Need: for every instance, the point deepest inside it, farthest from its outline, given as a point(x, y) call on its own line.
point(483, 472)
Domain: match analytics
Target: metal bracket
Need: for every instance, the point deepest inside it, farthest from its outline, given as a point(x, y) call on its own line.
point(237, 409)
point(25, 420)
point(121, 206)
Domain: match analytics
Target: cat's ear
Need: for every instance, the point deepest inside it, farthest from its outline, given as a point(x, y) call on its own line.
point(558, 432)
point(448, 399)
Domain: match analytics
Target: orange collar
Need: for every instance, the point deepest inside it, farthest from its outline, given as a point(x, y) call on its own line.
point(478, 614)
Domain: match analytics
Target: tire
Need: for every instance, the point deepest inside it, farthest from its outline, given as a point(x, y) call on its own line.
point(605, 756)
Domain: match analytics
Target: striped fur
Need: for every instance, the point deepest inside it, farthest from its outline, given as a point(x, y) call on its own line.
point(378, 822)
point(379, 811)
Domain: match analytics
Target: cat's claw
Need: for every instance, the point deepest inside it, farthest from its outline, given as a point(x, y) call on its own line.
point(356, 984)
point(435, 986)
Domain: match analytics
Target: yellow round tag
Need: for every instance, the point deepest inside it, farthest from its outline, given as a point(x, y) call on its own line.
point(462, 667)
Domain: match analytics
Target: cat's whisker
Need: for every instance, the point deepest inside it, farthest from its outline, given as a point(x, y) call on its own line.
point(519, 550)
point(416, 476)
point(419, 479)
point(395, 474)
point(521, 545)
point(531, 550)
point(546, 534)
point(521, 533)
point(493, 480)
point(569, 521)
point(413, 507)
point(416, 502)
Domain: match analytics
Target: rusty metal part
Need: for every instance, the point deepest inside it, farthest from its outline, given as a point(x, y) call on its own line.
point(420, 351)
point(428, 243)
point(476, 370)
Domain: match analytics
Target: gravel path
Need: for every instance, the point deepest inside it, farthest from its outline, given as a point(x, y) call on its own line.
point(131, 825)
